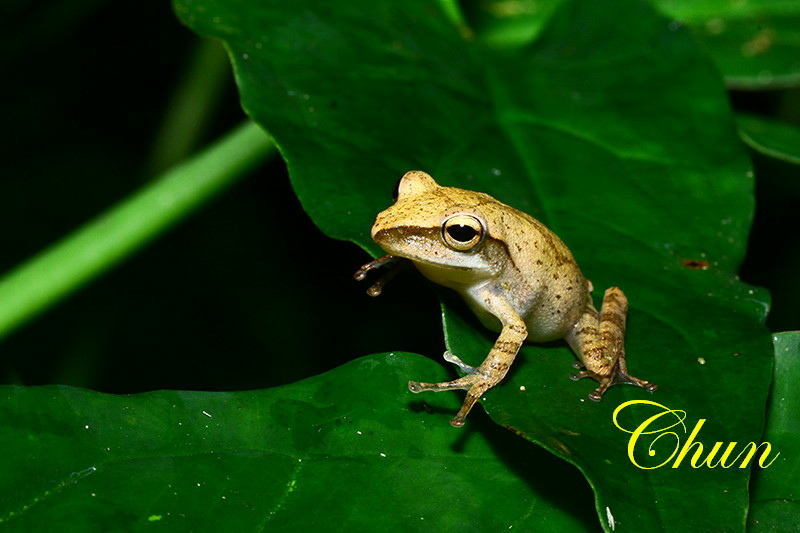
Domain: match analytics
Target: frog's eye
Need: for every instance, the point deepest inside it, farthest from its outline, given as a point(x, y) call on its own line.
point(462, 232)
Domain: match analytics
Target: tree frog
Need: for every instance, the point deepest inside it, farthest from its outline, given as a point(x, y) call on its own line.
point(515, 274)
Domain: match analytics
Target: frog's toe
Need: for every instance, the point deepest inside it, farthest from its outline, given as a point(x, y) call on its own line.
point(416, 386)
point(457, 421)
point(646, 385)
point(450, 357)
point(625, 378)
point(619, 378)
point(605, 383)
point(474, 392)
point(580, 375)
point(420, 386)
point(597, 395)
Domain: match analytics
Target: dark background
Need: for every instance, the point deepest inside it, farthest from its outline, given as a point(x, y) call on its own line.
point(246, 293)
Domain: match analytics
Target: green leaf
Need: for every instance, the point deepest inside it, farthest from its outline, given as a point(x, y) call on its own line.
point(348, 450)
point(775, 500)
point(613, 128)
point(755, 43)
point(771, 138)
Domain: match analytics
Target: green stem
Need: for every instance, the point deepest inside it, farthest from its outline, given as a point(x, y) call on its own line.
point(45, 279)
point(191, 106)
point(452, 9)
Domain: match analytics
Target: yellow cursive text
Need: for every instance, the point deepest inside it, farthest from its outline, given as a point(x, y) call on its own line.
point(664, 420)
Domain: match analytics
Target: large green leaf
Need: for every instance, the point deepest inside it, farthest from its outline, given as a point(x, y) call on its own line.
point(755, 43)
point(613, 128)
point(776, 489)
point(303, 457)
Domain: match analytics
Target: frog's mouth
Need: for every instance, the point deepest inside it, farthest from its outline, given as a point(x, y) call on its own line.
point(414, 235)
point(408, 241)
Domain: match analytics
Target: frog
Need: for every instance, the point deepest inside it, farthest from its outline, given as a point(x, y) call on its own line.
point(513, 272)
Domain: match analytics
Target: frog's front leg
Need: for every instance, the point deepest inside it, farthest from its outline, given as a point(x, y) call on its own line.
point(599, 340)
point(494, 367)
point(395, 264)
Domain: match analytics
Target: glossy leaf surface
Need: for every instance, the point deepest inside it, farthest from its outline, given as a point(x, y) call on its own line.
point(300, 457)
point(776, 488)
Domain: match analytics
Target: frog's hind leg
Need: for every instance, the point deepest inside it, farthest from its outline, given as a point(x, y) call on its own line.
point(599, 340)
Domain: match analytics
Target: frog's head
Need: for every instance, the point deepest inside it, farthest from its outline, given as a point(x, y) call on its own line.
point(442, 230)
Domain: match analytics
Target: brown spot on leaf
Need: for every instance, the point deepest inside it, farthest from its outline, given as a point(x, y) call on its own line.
point(696, 264)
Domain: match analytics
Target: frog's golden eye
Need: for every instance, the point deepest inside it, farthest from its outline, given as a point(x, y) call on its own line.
point(462, 232)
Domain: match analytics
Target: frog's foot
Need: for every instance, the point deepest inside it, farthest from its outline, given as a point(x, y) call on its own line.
point(618, 377)
point(474, 383)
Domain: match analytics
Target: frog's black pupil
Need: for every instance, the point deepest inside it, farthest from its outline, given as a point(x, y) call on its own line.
point(461, 232)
